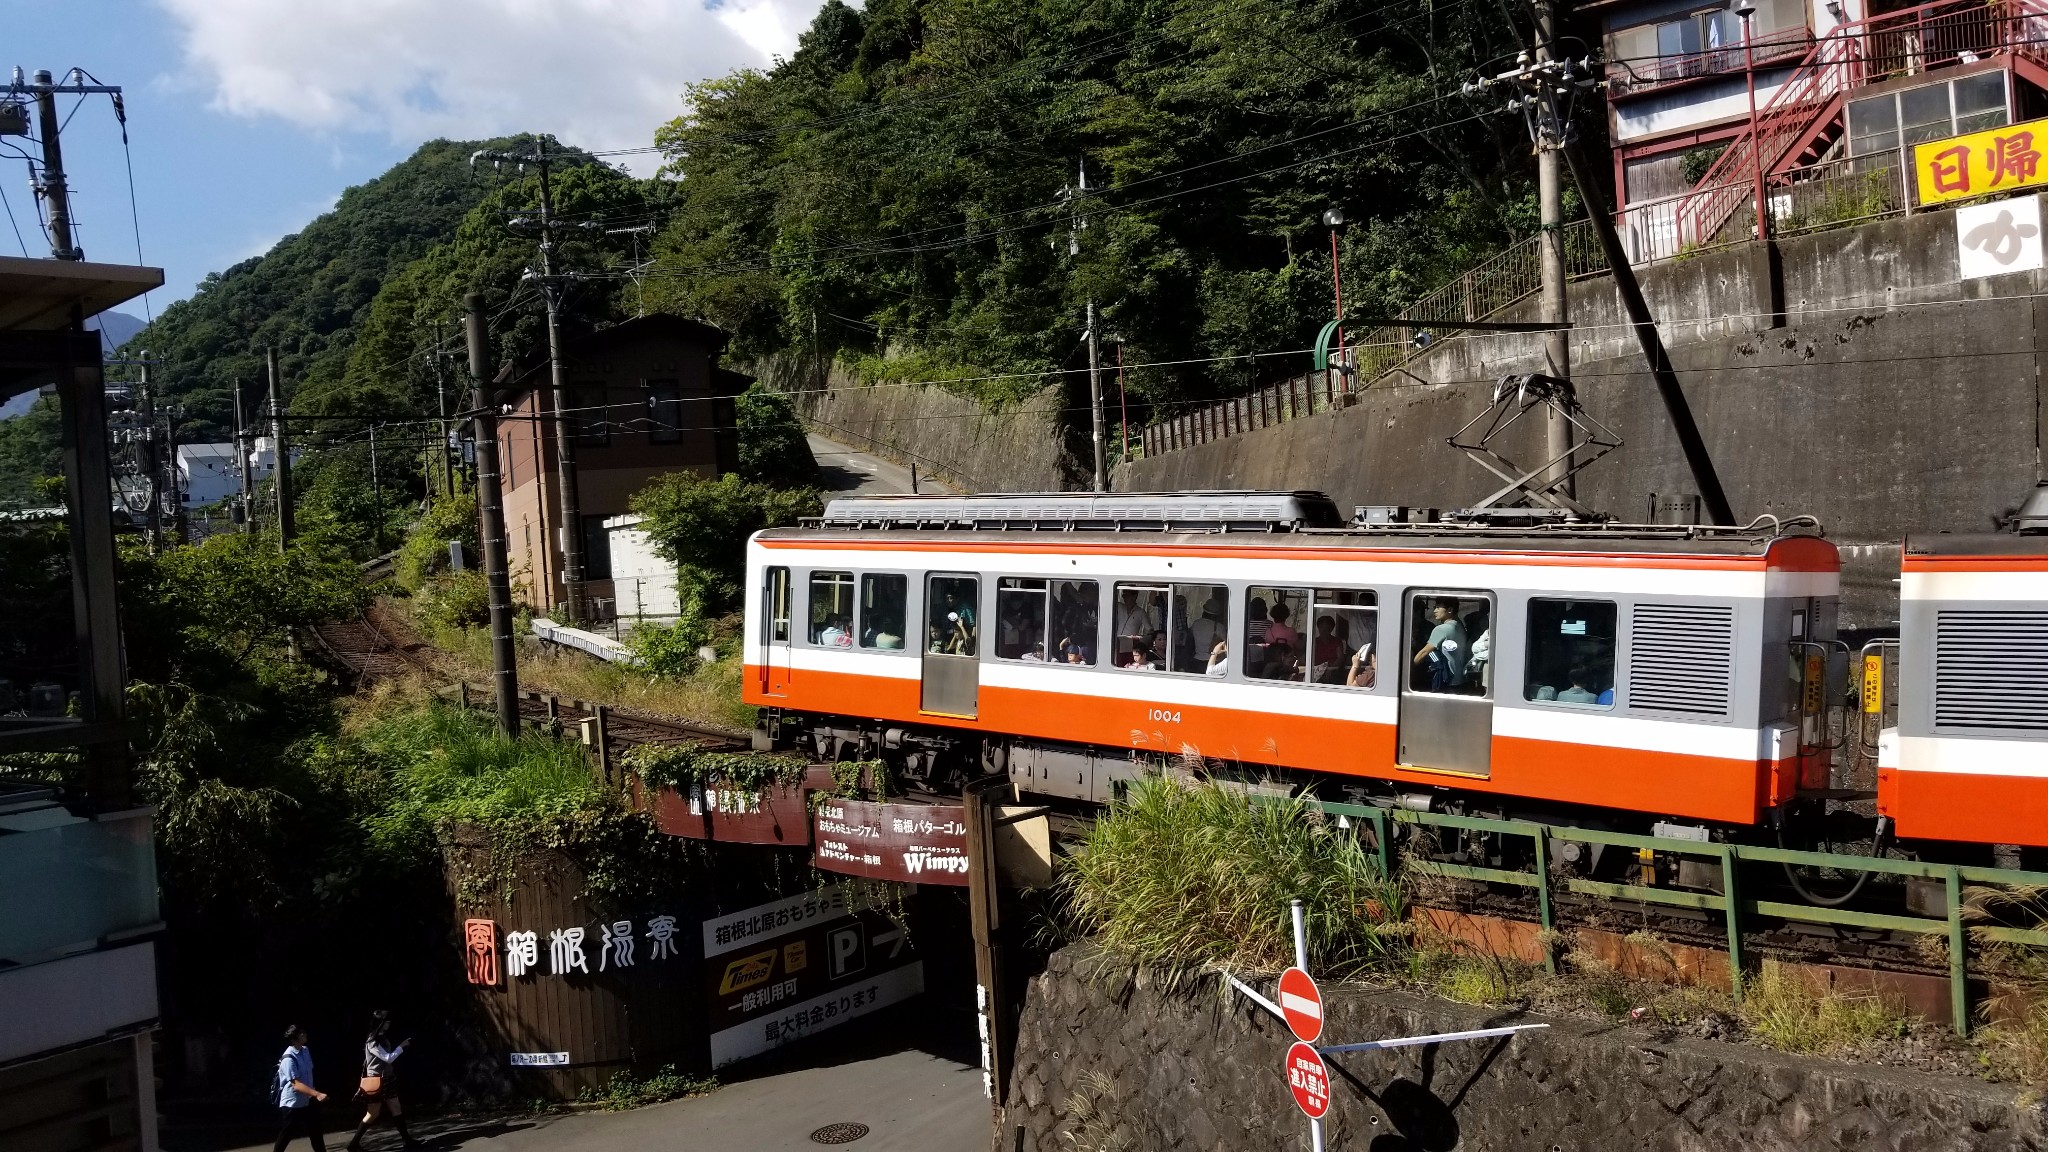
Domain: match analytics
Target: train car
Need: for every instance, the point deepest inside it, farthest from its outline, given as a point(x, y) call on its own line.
point(1968, 757)
point(1074, 641)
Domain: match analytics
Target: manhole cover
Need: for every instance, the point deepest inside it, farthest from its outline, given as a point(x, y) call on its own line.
point(839, 1133)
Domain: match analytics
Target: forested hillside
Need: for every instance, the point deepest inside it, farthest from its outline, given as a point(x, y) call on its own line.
point(308, 293)
point(900, 187)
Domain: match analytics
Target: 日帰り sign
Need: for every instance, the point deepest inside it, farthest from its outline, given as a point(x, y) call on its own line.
point(783, 970)
point(1994, 160)
point(911, 843)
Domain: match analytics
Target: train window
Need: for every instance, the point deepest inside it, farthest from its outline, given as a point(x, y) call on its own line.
point(1076, 611)
point(1273, 646)
point(1140, 621)
point(1020, 619)
point(951, 625)
point(777, 596)
point(832, 609)
point(882, 599)
point(1571, 652)
point(1450, 643)
point(1200, 628)
point(1046, 621)
point(1343, 647)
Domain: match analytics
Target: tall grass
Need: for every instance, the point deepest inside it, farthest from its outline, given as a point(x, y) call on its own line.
point(1178, 877)
point(1790, 1014)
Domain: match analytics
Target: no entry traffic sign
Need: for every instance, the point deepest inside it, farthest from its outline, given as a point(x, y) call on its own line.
point(1301, 1004)
point(1309, 1079)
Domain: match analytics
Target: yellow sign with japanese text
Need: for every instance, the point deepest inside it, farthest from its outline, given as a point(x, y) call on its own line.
point(1994, 160)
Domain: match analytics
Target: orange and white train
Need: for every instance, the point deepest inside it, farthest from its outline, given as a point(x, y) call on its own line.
point(1672, 676)
point(1968, 757)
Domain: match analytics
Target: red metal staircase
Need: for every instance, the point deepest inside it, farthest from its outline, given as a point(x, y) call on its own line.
point(1804, 117)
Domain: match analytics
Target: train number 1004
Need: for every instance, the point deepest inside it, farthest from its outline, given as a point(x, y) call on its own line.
point(1166, 715)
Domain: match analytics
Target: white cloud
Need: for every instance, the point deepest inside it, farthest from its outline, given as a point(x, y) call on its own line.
point(599, 74)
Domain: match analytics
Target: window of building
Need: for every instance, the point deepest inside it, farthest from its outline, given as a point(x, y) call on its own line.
point(1450, 643)
point(664, 411)
point(952, 619)
point(1912, 116)
point(832, 609)
point(777, 597)
point(1571, 652)
point(1173, 627)
point(883, 597)
point(597, 549)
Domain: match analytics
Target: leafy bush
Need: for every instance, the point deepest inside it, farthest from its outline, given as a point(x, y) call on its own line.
point(455, 600)
point(625, 1090)
point(1182, 877)
point(682, 766)
point(773, 449)
point(425, 551)
point(701, 526)
point(669, 650)
point(233, 597)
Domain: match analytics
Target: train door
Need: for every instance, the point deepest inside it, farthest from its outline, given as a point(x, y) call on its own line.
point(952, 647)
point(1446, 719)
point(775, 629)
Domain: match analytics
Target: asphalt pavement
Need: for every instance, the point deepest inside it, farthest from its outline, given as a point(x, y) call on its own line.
point(847, 471)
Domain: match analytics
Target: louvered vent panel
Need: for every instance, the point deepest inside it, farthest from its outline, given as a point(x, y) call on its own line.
point(1991, 669)
point(1682, 658)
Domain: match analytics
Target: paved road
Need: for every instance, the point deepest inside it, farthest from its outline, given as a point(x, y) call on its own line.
point(849, 472)
point(906, 1078)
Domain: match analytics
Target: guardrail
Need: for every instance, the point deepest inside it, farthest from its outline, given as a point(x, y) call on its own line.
point(1730, 901)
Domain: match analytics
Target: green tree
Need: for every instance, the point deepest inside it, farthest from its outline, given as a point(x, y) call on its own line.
point(702, 527)
point(773, 449)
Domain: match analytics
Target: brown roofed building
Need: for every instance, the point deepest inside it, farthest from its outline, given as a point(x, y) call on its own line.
point(649, 399)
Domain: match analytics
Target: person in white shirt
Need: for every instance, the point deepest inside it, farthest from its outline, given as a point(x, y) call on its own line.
point(1135, 617)
point(379, 1088)
point(295, 1095)
point(1219, 660)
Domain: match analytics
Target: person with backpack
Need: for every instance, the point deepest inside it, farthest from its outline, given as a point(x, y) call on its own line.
point(379, 1088)
point(297, 1100)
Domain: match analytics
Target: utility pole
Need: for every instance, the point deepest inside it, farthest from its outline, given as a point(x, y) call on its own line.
point(1079, 222)
point(242, 461)
point(1555, 307)
point(177, 490)
point(281, 472)
point(441, 406)
point(569, 508)
point(152, 468)
point(54, 191)
point(491, 516)
point(376, 499)
point(1095, 400)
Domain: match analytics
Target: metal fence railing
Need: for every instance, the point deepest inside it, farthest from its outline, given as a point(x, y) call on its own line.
point(1739, 911)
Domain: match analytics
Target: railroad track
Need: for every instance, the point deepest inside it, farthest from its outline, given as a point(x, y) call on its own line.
point(367, 650)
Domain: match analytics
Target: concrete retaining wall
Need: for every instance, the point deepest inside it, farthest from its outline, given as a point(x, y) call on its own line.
point(1854, 378)
point(1196, 1070)
point(1017, 448)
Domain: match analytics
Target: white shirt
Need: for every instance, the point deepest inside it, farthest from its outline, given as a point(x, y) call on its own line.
point(1136, 620)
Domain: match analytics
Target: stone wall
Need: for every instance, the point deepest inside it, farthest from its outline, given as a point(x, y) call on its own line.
point(1851, 376)
point(1199, 1069)
point(1015, 448)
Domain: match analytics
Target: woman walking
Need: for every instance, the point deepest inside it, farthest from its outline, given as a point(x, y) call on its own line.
point(379, 1088)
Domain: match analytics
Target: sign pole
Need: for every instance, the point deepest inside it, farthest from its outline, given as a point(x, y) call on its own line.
point(1300, 916)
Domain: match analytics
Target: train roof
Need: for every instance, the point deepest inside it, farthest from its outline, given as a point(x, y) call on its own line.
point(1976, 544)
point(1302, 519)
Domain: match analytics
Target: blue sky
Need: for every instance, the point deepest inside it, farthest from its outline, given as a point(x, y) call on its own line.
point(247, 118)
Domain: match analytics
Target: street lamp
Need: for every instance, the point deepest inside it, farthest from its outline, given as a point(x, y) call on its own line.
point(1333, 219)
point(1744, 10)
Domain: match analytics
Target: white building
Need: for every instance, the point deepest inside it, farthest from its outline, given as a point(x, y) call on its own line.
point(209, 473)
point(645, 583)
